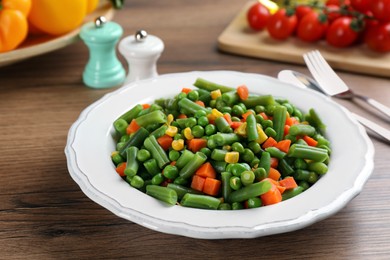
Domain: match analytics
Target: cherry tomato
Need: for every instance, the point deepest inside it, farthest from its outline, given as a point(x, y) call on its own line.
point(312, 27)
point(281, 25)
point(340, 33)
point(333, 12)
point(257, 16)
point(377, 37)
point(380, 9)
point(302, 10)
point(361, 5)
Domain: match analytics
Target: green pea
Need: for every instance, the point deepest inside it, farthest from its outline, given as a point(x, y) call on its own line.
point(259, 109)
point(267, 123)
point(254, 146)
point(143, 155)
point(235, 119)
point(235, 183)
point(269, 131)
point(137, 182)
point(193, 95)
point(247, 177)
point(213, 103)
point(254, 203)
point(313, 178)
point(170, 172)
point(210, 129)
point(181, 181)
point(226, 109)
point(237, 110)
point(224, 206)
point(200, 113)
point(181, 95)
point(260, 173)
point(197, 131)
point(300, 164)
point(248, 155)
point(203, 121)
point(206, 151)
point(178, 136)
point(290, 108)
point(238, 147)
point(124, 138)
point(237, 206)
point(157, 179)
point(304, 184)
point(117, 158)
point(173, 155)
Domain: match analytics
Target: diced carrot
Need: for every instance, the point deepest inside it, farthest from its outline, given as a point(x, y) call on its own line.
point(182, 116)
point(281, 188)
point(145, 106)
point(264, 115)
point(274, 174)
point(235, 124)
point(291, 121)
point(120, 169)
point(243, 92)
point(212, 186)
point(288, 182)
point(197, 182)
point(286, 130)
point(206, 170)
point(200, 103)
point(274, 162)
point(310, 141)
point(272, 196)
point(186, 90)
point(132, 127)
point(269, 142)
point(284, 145)
point(196, 144)
point(165, 141)
point(228, 118)
point(246, 114)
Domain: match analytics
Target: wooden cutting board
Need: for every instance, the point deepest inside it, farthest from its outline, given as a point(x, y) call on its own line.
point(238, 38)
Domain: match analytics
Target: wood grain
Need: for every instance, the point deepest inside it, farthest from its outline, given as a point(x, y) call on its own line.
point(45, 215)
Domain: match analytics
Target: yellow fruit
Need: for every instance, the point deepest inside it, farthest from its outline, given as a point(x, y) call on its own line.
point(91, 5)
point(57, 17)
point(271, 5)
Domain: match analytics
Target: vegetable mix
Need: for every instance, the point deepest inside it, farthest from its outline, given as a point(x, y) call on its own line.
point(217, 147)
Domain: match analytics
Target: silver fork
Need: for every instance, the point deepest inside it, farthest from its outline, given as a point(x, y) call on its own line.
point(333, 85)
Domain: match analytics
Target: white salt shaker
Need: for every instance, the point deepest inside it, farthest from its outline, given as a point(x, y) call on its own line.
point(141, 52)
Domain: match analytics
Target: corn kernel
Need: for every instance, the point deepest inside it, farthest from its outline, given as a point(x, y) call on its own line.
point(215, 94)
point(169, 119)
point(232, 157)
point(188, 133)
point(171, 131)
point(262, 136)
point(178, 144)
point(216, 113)
point(226, 147)
point(241, 130)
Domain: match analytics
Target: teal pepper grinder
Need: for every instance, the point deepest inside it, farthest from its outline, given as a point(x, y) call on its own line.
point(103, 69)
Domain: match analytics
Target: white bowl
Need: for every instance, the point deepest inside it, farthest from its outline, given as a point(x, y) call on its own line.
point(90, 143)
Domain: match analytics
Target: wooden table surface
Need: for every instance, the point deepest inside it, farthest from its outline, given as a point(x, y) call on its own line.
point(45, 215)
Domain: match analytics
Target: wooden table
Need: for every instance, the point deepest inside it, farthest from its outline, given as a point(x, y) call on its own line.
point(44, 214)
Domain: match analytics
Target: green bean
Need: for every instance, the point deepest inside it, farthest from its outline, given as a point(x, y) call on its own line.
point(184, 159)
point(318, 167)
point(237, 206)
point(218, 154)
point(120, 126)
point(157, 179)
point(225, 185)
point(116, 158)
point(265, 161)
point(250, 191)
point(255, 147)
point(315, 121)
point(254, 203)
point(302, 129)
point(285, 168)
point(182, 190)
point(248, 155)
point(162, 193)
point(132, 113)
point(230, 98)
point(143, 155)
point(131, 163)
point(279, 120)
point(150, 109)
point(189, 169)
point(235, 183)
point(237, 168)
point(200, 201)
point(224, 206)
point(304, 184)
point(211, 86)
point(186, 122)
point(256, 100)
point(247, 178)
point(308, 152)
point(137, 182)
point(304, 175)
point(300, 164)
point(159, 131)
point(190, 106)
point(155, 117)
point(222, 139)
point(219, 166)
point(157, 151)
point(151, 166)
point(136, 139)
point(251, 128)
point(222, 125)
point(204, 95)
point(288, 194)
point(181, 181)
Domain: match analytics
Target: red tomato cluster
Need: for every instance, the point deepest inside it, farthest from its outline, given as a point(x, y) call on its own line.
point(341, 23)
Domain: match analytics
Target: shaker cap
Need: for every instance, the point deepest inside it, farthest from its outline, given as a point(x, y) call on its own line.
point(141, 45)
point(101, 31)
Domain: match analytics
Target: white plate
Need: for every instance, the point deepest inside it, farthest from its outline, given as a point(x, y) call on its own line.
point(90, 143)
